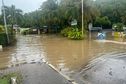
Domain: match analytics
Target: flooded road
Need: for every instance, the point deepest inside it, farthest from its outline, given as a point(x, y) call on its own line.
point(68, 56)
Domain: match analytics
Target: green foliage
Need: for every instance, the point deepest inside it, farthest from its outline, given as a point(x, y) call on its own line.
point(123, 19)
point(118, 27)
point(6, 79)
point(114, 9)
point(72, 33)
point(61, 13)
point(13, 15)
point(3, 39)
point(102, 21)
point(1, 29)
point(75, 34)
point(52, 12)
point(66, 31)
point(3, 36)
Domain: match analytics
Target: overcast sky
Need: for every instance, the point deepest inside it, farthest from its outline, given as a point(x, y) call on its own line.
point(25, 5)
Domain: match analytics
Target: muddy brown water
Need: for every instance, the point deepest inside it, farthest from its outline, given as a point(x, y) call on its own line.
point(68, 56)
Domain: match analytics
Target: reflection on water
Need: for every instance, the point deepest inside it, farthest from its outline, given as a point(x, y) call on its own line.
point(66, 55)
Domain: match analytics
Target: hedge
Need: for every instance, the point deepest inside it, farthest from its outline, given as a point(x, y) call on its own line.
point(3, 39)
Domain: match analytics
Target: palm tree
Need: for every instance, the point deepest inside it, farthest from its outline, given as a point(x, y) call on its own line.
point(13, 15)
point(73, 10)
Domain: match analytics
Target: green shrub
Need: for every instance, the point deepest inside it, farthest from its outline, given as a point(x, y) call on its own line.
point(118, 27)
point(6, 79)
point(65, 31)
point(3, 39)
point(102, 21)
point(75, 34)
point(1, 28)
point(72, 33)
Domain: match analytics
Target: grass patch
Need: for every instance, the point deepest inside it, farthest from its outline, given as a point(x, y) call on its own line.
point(6, 79)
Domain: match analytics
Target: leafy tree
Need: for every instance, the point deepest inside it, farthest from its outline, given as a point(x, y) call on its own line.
point(13, 15)
point(103, 22)
point(113, 9)
point(54, 12)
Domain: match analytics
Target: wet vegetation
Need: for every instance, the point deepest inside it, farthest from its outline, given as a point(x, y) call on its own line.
point(72, 33)
point(58, 15)
point(118, 27)
point(3, 36)
point(6, 79)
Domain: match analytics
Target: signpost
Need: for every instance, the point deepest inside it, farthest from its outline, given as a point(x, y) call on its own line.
point(82, 17)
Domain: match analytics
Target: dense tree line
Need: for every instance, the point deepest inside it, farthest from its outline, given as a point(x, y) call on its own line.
point(13, 15)
point(62, 12)
point(115, 10)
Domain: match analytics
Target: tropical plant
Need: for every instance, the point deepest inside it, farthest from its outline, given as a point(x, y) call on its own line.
point(6, 79)
point(102, 21)
point(72, 33)
point(61, 12)
point(123, 19)
point(1, 29)
point(13, 15)
point(115, 10)
point(75, 34)
point(66, 31)
point(118, 27)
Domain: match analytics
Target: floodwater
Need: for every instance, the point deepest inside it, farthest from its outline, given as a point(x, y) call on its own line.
point(68, 56)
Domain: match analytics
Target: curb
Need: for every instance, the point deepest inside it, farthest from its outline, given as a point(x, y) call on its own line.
point(66, 77)
point(51, 66)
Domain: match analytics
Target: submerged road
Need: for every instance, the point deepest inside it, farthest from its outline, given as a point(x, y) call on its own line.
point(69, 57)
point(108, 69)
point(38, 73)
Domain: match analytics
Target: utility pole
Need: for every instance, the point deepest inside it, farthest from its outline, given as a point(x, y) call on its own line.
point(5, 23)
point(82, 17)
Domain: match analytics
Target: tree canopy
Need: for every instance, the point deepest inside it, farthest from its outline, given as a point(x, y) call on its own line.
point(115, 10)
point(62, 12)
point(13, 15)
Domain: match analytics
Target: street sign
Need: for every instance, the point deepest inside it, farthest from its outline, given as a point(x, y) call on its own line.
point(74, 22)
